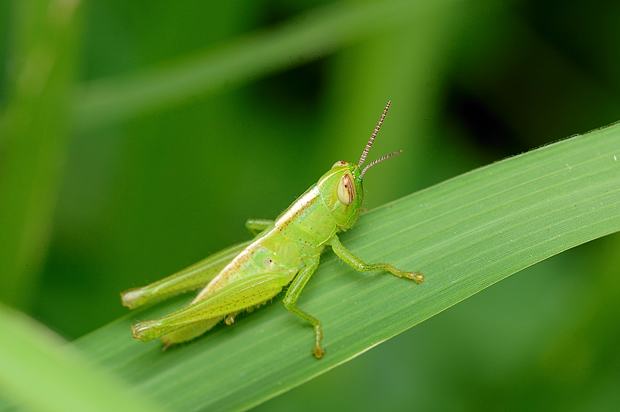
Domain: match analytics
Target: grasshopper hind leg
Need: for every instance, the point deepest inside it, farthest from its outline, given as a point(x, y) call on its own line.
point(189, 332)
point(186, 323)
point(256, 226)
point(196, 329)
point(193, 277)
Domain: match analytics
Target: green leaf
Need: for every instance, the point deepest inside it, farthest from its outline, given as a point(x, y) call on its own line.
point(304, 38)
point(464, 234)
point(34, 135)
point(40, 372)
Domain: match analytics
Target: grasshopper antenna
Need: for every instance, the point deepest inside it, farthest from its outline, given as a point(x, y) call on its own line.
point(379, 160)
point(374, 134)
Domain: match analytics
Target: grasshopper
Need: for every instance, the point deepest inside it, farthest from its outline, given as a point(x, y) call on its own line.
point(284, 252)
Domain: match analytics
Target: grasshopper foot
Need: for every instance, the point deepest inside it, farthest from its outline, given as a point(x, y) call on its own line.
point(229, 320)
point(417, 277)
point(318, 352)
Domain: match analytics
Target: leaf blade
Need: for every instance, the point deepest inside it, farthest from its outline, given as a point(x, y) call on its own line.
point(465, 234)
point(32, 357)
point(316, 33)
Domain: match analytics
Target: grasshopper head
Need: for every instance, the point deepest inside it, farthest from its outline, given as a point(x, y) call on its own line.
point(341, 187)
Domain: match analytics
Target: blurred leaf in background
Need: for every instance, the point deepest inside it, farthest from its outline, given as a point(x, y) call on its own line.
point(35, 128)
point(32, 361)
point(162, 126)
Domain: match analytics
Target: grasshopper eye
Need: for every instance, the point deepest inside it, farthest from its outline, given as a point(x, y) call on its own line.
point(340, 163)
point(346, 189)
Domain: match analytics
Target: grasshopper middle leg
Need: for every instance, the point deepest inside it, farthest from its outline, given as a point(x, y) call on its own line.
point(290, 303)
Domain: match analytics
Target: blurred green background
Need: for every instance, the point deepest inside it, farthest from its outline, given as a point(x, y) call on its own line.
point(99, 194)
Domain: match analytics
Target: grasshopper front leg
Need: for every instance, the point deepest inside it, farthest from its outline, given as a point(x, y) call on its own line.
point(290, 303)
point(356, 263)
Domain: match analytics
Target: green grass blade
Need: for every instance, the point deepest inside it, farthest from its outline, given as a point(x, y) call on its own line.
point(464, 234)
point(301, 39)
point(34, 133)
point(32, 358)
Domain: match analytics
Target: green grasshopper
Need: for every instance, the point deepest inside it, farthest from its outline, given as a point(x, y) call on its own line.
point(284, 252)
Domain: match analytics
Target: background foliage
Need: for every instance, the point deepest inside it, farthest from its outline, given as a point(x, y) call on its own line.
point(136, 138)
